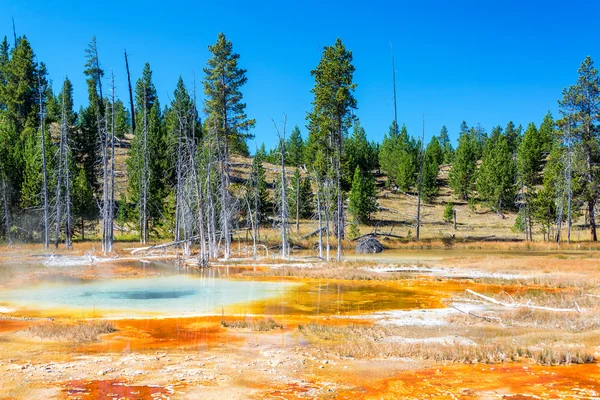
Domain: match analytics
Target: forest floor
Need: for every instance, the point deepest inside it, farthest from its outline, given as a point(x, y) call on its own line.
point(407, 323)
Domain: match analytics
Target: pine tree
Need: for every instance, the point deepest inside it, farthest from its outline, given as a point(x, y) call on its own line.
point(580, 107)
point(496, 178)
point(447, 149)
point(332, 114)
point(464, 168)
point(227, 117)
point(513, 136)
point(363, 197)
point(295, 148)
point(431, 168)
point(84, 206)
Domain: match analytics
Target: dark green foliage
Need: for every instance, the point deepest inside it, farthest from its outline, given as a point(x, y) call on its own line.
point(580, 108)
point(398, 157)
point(84, 206)
point(447, 149)
point(295, 148)
point(363, 197)
point(224, 100)
point(359, 152)
point(300, 189)
point(464, 169)
point(497, 176)
point(513, 136)
point(258, 196)
point(449, 212)
point(431, 169)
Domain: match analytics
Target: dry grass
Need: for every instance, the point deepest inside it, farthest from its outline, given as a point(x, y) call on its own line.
point(368, 342)
point(328, 272)
point(258, 325)
point(80, 332)
point(587, 319)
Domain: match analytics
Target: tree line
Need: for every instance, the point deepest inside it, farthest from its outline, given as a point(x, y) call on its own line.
point(58, 171)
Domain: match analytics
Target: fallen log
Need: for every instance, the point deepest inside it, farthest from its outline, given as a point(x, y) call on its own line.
point(164, 245)
point(472, 314)
point(324, 229)
point(377, 234)
point(520, 305)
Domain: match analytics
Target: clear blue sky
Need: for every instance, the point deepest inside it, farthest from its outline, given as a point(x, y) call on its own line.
point(481, 61)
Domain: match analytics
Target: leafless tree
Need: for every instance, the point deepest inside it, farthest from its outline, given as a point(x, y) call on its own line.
point(44, 166)
point(283, 200)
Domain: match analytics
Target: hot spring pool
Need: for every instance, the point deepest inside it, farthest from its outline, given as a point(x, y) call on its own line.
point(166, 295)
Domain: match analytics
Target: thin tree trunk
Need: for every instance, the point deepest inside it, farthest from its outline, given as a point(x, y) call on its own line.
point(44, 167)
point(5, 208)
point(319, 215)
point(130, 95)
point(111, 211)
point(422, 154)
point(298, 206)
point(58, 210)
point(284, 213)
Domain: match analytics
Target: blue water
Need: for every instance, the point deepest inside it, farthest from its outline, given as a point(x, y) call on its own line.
point(167, 295)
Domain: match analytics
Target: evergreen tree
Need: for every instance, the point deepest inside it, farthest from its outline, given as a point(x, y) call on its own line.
point(332, 114)
point(295, 148)
point(580, 107)
point(431, 169)
point(496, 180)
point(464, 168)
point(448, 213)
point(224, 100)
point(447, 149)
point(513, 136)
point(257, 191)
point(435, 151)
point(363, 197)
point(84, 206)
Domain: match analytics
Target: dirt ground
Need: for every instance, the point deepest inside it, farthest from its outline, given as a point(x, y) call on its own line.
point(379, 347)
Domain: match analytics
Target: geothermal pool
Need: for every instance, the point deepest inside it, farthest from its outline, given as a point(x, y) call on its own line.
point(165, 295)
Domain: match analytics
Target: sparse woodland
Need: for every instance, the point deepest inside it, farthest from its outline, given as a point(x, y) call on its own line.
point(58, 163)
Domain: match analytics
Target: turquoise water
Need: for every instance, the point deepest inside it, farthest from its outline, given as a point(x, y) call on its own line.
point(167, 295)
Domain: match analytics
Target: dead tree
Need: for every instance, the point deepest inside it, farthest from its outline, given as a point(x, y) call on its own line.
point(284, 213)
point(59, 175)
point(44, 167)
point(143, 176)
point(6, 211)
point(319, 213)
point(420, 182)
point(111, 211)
point(131, 94)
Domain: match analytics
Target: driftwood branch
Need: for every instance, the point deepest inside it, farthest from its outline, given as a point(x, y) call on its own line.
point(519, 305)
point(164, 245)
point(472, 314)
point(323, 229)
point(377, 234)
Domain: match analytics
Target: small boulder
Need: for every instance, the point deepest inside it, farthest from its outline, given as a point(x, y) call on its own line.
point(369, 245)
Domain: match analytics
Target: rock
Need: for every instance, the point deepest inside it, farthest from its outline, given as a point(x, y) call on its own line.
point(369, 245)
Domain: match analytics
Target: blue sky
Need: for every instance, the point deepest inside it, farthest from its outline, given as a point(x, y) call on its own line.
point(481, 61)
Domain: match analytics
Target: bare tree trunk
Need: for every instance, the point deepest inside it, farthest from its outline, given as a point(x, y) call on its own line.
point(284, 213)
point(394, 83)
point(319, 214)
point(61, 143)
point(130, 95)
point(68, 228)
point(340, 205)
point(44, 167)
point(111, 211)
point(298, 206)
point(422, 155)
point(5, 208)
